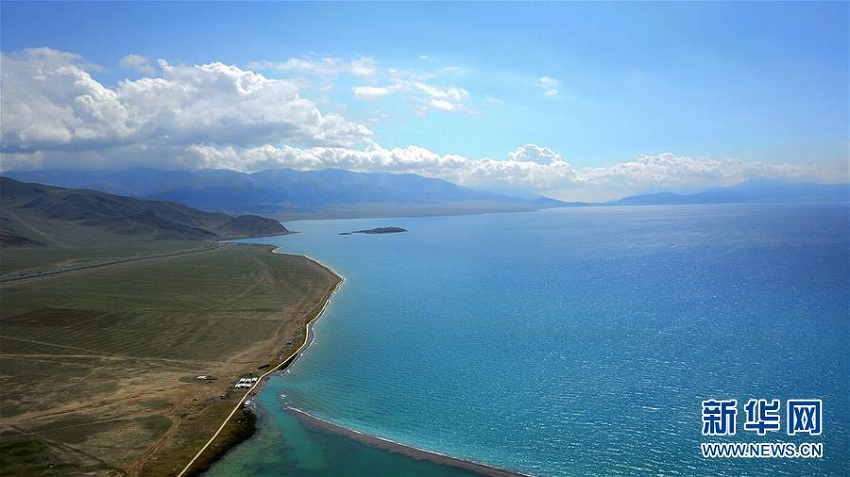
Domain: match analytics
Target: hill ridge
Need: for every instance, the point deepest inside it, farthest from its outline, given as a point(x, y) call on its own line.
point(33, 214)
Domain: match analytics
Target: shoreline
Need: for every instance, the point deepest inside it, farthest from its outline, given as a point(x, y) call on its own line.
point(308, 328)
point(399, 448)
point(198, 464)
point(308, 338)
point(329, 427)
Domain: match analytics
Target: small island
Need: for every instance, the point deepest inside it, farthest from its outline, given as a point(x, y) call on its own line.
point(378, 230)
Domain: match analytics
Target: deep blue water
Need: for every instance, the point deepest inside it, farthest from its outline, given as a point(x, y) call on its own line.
point(568, 342)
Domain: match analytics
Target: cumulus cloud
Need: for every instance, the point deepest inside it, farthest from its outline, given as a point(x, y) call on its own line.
point(55, 114)
point(51, 101)
point(411, 159)
point(535, 154)
point(531, 167)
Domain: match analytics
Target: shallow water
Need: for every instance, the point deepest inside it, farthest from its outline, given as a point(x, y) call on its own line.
point(283, 446)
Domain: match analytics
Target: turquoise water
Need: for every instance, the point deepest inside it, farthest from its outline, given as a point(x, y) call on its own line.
point(568, 342)
point(285, 447)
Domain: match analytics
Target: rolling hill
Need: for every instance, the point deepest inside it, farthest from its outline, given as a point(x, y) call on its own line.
point(36, 215)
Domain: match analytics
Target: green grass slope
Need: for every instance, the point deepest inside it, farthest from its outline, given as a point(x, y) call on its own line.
point(33, 215)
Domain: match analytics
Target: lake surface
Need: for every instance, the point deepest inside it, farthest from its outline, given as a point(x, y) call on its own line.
point(566, 342)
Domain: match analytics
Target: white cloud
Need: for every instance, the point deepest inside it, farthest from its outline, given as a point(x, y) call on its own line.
point(412, 159)
point(442, 104)
point(531, 167)
point(427, 96)
point(550, 86)
point(50, 101)
point(536, 154)
point(56, 115)
point(140, 63)
point(451, 94)
point(320, 67)
point(416, 87)
point(363, 67)
point(328, 67)
point(373, 93)
point(445, 98)
point(669, 171)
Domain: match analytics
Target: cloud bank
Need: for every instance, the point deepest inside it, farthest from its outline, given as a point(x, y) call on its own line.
point(529, 167)
point(50, 101)
point(56, 115)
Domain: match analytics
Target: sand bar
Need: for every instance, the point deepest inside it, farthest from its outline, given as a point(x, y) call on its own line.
point(398, 448)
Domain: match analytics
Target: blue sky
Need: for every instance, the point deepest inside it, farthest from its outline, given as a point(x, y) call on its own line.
point(574, 100)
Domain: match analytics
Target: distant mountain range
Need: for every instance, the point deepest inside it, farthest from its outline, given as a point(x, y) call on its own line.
point(34, 215)
point(287, 193)
point(752, 191)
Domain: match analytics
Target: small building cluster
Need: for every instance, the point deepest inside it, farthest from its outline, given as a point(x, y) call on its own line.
point(245, 383)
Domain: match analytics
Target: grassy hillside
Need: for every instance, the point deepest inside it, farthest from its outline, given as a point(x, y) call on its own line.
point(99, 367)
point(45, 229)
point(35, 215)
point(111, 309)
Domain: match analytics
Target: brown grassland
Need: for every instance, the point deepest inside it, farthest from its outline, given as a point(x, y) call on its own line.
point(99, 367)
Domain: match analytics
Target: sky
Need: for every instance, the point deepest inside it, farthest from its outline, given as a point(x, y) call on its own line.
point(572, 100)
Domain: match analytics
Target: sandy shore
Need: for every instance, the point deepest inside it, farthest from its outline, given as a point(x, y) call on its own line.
point(402, 449)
